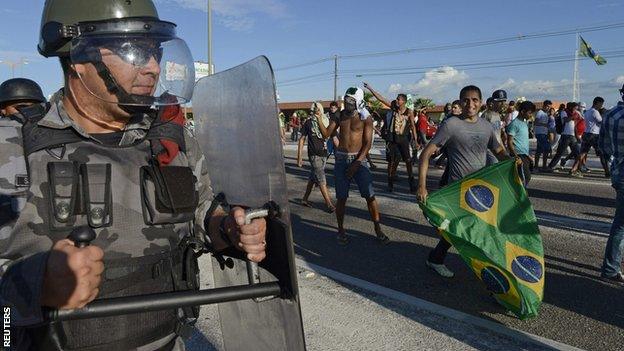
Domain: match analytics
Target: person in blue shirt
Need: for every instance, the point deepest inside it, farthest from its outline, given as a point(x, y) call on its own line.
point(611, 142)
point(518, 139)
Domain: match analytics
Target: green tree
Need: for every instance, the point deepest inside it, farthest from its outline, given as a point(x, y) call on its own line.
point(373, 103)
point(420, 102)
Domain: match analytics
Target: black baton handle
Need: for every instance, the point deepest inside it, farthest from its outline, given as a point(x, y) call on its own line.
point(82, 236)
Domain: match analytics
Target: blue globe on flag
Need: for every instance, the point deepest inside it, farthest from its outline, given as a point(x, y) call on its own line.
point(527, 268)
point(479, 198)
point(495, 281)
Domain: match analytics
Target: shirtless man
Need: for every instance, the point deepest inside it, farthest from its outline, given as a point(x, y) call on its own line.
point(356, 136)
point(401, 130)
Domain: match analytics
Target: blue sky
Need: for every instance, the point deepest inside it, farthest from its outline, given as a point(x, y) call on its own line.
point(300, 31)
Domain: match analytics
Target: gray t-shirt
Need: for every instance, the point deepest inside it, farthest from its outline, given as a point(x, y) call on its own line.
point(466, 145)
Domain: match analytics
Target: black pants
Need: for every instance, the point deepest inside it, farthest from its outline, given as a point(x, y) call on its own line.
point(525, 169)
point(564, 142)
point(438, 254)
point(399, 149)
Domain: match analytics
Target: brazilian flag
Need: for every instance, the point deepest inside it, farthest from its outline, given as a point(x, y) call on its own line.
point(488, 218)
point(586, 50)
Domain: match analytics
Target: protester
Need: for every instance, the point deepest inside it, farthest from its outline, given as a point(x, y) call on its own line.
point(466, 139)
point(295, 124)
point(280, 118)
point(579, 130)
point(421, 129)
point(355, 127)
point(492, 115)
point(317, 155)
point(334, 114)
point(512, 113)
point(518, 140)
point(593, 121)
point(455, 111)
point(611, 142)
point(401, 129)
point(447, 110)
point(568, 136)
point(544, 127)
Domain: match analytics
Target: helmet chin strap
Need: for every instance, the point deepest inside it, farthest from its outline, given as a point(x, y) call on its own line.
point(144, 103)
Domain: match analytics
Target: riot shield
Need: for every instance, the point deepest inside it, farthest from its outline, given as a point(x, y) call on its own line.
point(236, 124)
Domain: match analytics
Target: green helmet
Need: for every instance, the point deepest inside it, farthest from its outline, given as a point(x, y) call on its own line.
point(61, 18)
point(95, 32)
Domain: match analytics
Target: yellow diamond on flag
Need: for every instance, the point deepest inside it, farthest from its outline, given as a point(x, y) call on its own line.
point(481, 199)
point(526, 266)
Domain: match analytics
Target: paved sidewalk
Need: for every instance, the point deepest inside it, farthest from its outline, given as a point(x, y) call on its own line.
point(338, 316)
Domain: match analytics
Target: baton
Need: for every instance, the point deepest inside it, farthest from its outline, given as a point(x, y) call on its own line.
point(82, 237)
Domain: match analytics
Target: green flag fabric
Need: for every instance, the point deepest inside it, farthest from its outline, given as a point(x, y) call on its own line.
point(488, 218)
point(410, 102)
point(586, 50)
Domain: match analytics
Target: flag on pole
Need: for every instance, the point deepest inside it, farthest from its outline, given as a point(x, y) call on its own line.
point(488, 218)
point(586, 50)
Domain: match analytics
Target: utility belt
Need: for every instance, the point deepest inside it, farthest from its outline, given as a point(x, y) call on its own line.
point(164, 272)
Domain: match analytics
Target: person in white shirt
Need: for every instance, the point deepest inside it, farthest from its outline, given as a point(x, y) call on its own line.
point(593, 121)
point(568, 137)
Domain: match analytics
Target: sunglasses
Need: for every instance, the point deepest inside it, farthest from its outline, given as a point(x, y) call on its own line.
point(136, 54)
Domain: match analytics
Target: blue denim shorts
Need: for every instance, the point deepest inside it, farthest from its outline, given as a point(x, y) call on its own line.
point(543, 145)
point(363, 177)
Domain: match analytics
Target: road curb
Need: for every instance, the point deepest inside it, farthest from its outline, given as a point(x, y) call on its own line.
point(519, 335)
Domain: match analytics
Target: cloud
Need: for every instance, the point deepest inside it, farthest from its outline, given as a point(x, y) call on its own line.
point(442, 81)
point(538, 90)
point(532, 89)
point(237, 15)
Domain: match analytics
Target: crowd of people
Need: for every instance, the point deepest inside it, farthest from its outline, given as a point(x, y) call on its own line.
point(471, 135)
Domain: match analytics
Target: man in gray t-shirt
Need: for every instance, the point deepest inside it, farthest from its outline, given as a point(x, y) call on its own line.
point(466, 139)
point(466, 145)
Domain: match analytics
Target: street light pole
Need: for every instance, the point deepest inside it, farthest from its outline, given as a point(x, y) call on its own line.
point(210, 63)
point(335, 77)
point(14, 64)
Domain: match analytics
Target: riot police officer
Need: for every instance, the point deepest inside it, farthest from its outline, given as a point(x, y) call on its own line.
point(19, 92)
point(109, 152)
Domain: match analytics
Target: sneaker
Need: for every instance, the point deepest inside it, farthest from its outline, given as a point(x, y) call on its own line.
point(383, 239)
point(576, 174)
point(562, 163)
point(412, 185)
point(441, 269)
point(616, 279)
point(342, 239)
point(584, 169)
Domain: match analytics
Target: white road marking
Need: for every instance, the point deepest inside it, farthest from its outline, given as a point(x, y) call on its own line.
point(601, 228)
point(564, 179)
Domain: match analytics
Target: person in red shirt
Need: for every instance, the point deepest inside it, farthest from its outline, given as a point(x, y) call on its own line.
point(579, 129)
point(295, 127)
point(421, 128)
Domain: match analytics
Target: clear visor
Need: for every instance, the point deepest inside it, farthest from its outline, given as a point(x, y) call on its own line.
point(135, 71)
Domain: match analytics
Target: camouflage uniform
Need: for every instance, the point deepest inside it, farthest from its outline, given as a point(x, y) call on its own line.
point(28, 230)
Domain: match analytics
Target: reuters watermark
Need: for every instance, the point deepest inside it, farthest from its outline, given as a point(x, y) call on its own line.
point(6, 327)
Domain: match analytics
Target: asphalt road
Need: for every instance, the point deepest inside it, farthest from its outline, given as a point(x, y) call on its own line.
point(574, 217)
